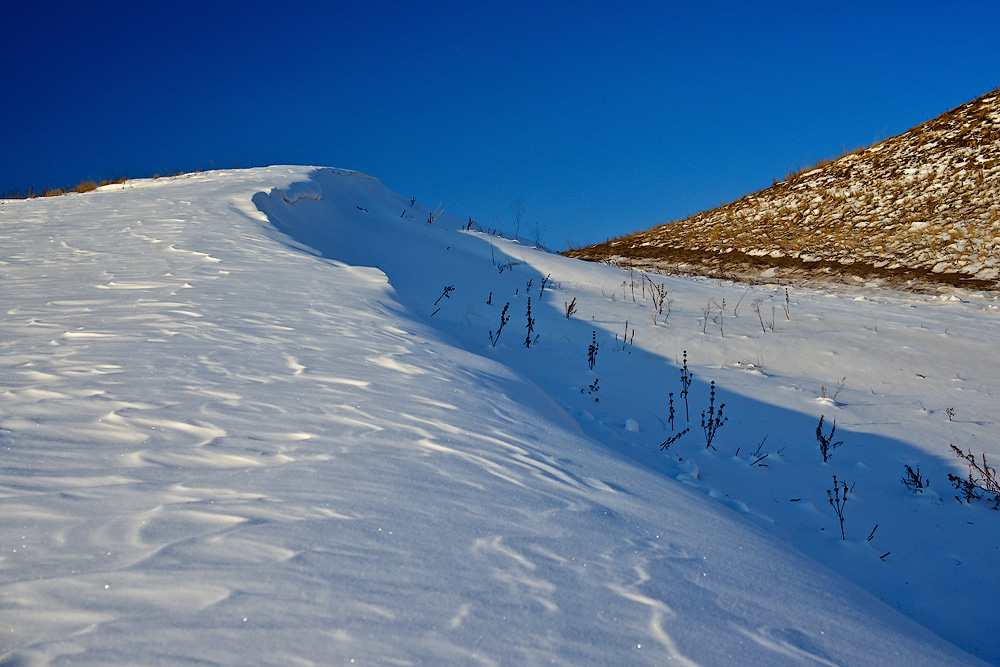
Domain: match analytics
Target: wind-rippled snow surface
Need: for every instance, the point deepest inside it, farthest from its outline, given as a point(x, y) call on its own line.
point(240, 424)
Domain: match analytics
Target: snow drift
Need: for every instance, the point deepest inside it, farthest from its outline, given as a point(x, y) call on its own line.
point(234, 430)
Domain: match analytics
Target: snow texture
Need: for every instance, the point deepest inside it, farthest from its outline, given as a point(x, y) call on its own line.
point(243, 421)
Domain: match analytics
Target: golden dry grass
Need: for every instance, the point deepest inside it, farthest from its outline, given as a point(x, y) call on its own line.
point(917, 208)
point(85, 185)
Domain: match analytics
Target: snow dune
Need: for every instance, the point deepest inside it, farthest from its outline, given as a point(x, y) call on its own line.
point(235, 428)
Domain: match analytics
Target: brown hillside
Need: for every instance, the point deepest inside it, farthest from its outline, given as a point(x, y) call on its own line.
point(917, 210)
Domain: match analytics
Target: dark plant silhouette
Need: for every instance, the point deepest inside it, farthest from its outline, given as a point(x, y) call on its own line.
point(712, 419)
point(531, 325)
point(665, 445)
point(592, 350)
point(838, 498)
point(826, 443)
point(504, 318)
point(686, 378)
point(913, 481)
point(982, 479)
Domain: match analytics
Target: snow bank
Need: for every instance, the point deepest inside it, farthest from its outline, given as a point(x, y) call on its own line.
point(220, 448)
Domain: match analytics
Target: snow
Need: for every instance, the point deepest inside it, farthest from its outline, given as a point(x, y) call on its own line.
point(912, 212)
point(242, 420)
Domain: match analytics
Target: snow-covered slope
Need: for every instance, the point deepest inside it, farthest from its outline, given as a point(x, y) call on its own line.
point(242, 420)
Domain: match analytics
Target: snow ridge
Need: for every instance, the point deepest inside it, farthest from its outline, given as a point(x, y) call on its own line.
point(235, 429)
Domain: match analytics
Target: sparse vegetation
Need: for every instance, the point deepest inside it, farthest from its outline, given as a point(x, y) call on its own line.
point(712, 419)
point(913, 481)
point(517, 208)
point(686, 377)
point(86, 185)
point(837, 498)
point(665, 445)
point(504, 318)
point(659, 294)
point(836, 391)
point(765, 325)
point(592, 350)
point(626, 342)
point(530, 325)
point(91, 184)
point(713, 312)
point(433, 215)
point(545, 281)
point(826, 442)
point(982, 479)
point(910, 212)
point(446, 294)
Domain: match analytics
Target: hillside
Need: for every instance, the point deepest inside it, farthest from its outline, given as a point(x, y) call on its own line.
point(287, 416)
point(917, 210)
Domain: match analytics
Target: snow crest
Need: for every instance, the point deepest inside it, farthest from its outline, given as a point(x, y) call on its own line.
point(218, 447)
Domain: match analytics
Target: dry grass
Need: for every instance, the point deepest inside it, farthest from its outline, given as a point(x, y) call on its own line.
point(916, 210)
point(86, 185)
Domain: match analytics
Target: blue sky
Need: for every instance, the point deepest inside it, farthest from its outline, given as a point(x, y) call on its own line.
point(602, 118)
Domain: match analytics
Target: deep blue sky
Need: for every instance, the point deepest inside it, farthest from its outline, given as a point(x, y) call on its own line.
point(603, 118)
